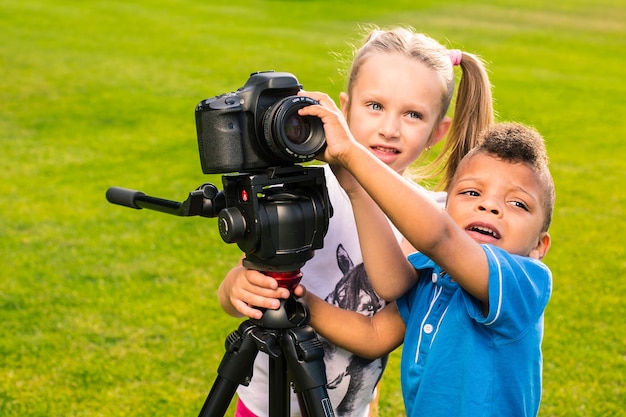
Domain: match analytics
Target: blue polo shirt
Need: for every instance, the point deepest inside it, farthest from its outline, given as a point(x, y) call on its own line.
point(456, 361)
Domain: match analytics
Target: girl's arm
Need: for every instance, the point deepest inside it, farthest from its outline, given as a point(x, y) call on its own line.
point(368, 337)
point(422, 222)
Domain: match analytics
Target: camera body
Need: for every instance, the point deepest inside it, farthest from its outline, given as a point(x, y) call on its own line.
point(257, 126)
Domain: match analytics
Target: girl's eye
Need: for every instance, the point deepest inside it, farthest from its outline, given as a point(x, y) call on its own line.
point(375, 106)
point(414, 115)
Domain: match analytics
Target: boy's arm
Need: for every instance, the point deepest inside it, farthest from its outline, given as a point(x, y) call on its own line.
point(386, 264)
point(422, 222)
point(368, 337)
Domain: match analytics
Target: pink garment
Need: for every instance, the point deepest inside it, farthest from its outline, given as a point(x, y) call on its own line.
point(242, 411)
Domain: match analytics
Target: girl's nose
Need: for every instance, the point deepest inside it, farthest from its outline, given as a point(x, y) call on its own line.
point(389, 127)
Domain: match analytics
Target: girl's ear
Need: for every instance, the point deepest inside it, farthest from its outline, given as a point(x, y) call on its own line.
point(543, 245)
point(344, 104)
point(440, 131)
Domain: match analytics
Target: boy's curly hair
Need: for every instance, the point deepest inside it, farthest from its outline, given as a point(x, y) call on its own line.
point(514, 142)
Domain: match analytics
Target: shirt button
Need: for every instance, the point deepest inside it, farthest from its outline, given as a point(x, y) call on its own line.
point(434, 277)
point(428, 328)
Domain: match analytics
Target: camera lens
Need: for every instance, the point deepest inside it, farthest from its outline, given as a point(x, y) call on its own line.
point(289, 136)
point(297, 129)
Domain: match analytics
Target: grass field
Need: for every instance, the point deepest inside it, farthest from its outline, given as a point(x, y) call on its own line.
point(107, 311)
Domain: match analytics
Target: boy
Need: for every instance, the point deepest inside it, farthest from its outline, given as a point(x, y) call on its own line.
point(471, 318)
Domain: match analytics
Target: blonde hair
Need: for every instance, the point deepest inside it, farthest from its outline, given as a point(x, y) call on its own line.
point(473, 107)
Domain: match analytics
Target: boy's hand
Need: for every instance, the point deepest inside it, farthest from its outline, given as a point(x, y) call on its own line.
point(339, 140)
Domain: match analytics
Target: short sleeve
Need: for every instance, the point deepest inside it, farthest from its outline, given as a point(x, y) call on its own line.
point(519, 290)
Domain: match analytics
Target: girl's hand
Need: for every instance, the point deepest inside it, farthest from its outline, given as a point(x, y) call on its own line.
point(339, 140)
point(300, 291)
point(248, 290)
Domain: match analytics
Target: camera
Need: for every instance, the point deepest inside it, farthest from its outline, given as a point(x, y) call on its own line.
point(257, 126)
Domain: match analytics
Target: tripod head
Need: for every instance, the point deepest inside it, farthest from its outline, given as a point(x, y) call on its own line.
point(277, 216)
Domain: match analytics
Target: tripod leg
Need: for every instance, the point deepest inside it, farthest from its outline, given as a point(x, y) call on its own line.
point(279, 393)
point(219, 398)
point(235, 369)
point(304, 355)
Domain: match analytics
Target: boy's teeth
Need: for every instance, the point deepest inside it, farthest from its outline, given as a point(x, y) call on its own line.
point(485, 231)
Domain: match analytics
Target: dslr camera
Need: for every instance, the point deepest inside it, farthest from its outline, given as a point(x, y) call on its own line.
point(257, 126)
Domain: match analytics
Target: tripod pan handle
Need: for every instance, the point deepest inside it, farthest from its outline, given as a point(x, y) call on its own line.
point(124, 196)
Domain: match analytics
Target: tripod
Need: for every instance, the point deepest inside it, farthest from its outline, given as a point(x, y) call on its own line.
point(295, 354)
point(278, 217)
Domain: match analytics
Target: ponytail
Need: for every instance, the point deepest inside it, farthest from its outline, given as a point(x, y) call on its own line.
point(473, 112)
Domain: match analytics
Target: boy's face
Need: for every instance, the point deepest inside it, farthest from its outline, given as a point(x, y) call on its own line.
point(500, 203)
point(394, 108)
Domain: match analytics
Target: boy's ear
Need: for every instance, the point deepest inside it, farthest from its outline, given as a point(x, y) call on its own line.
point(440, 131)
point(543, 245)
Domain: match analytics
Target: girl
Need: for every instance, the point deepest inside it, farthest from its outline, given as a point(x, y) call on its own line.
point(399, 89)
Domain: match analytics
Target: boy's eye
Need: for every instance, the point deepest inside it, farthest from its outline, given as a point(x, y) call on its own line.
point(472, 193)
point(520, 204)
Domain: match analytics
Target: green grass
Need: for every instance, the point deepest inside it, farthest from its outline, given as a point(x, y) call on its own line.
point(107, 311)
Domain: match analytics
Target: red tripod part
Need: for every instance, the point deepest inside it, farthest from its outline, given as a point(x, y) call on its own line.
point(289, 279)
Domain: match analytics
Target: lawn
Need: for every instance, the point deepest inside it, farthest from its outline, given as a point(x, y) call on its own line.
point(107, 311)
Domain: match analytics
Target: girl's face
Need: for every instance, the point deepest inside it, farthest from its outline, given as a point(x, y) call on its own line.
point(394, 108)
